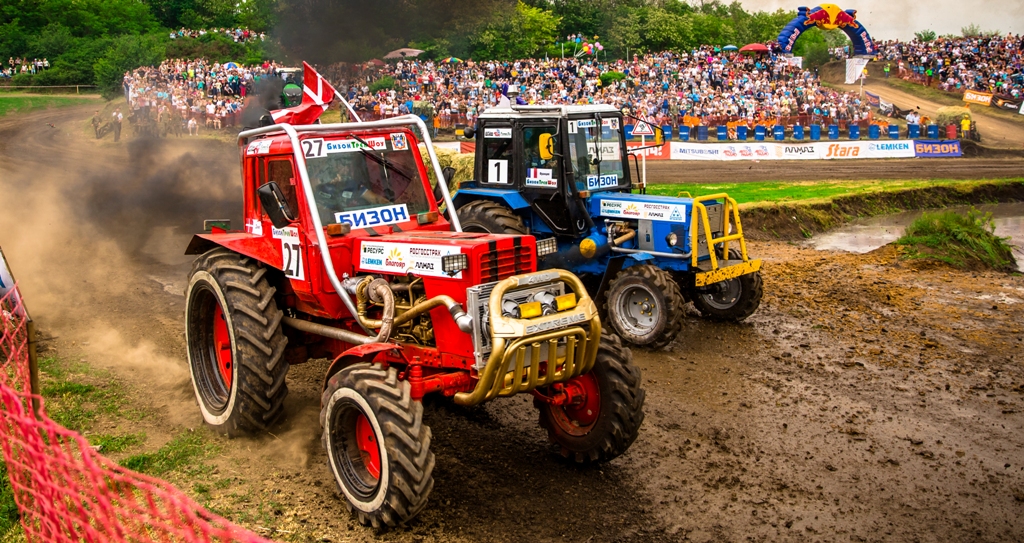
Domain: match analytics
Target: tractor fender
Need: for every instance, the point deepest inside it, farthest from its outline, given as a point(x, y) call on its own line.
point(256, 247)
point(355, 354)
point(510, 198)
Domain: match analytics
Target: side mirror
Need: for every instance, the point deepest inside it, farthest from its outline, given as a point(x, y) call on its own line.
point(546, 147)
point(275, 205)
point(448, 172)
point(469, 133)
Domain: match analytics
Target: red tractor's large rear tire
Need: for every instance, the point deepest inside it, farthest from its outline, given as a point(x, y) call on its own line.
point(486, 217)
point(378, 448)
point(235, 343)
point(607, 421)
point(645, 306)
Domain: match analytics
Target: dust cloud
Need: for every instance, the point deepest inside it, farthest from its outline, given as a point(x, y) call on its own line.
point(95, 233)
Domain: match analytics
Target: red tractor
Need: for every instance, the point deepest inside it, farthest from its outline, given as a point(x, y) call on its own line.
point(347, 254)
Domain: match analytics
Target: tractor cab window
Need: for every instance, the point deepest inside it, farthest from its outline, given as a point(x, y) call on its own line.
point(281, 172)
point(366, 186)
point(596, 154)
point(541, 148)
point(498, 155)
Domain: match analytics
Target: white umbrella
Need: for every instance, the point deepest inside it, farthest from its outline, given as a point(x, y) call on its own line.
point(403, 53)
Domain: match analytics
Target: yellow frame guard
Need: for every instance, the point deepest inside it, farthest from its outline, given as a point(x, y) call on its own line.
point(699, 215)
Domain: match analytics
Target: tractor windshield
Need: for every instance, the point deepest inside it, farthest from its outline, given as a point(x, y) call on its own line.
point(596, 153)
point(365, 181)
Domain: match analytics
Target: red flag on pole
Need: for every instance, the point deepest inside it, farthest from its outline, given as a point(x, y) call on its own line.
point(317, 95)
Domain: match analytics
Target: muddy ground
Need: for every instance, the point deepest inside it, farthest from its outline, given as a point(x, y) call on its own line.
point(866, 400)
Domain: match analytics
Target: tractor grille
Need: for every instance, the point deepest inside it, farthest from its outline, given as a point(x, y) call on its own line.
point(497, 264)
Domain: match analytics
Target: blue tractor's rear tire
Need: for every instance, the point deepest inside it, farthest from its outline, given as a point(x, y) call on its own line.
point(487, 217)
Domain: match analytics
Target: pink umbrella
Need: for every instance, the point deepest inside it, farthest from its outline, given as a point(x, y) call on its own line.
point(754, 48)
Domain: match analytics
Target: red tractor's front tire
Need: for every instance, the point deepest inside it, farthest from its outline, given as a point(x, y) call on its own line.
point(606, 420)
point(378, 448)
point(235, 343)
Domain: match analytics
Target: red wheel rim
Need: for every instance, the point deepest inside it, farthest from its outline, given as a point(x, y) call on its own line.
point(366, 439)
point(579, 417)
point(222, 344)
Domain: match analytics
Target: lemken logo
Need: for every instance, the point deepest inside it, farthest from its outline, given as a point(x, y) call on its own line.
point(372, 261)
point(903, 146)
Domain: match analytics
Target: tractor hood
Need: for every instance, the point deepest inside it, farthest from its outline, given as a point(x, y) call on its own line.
point(623, 206)
point(488, 257)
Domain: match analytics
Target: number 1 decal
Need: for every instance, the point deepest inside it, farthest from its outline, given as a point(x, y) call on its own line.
point(497, 171)
point(291, 253)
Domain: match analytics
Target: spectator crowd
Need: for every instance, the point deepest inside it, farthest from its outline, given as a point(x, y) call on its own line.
point(17, 66)
point(192, 94)
point(989, 64)
point(240, 35)
point(706, 85)
point(703, 86)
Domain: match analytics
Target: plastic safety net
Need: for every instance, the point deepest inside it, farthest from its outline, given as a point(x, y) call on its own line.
point(65, 490)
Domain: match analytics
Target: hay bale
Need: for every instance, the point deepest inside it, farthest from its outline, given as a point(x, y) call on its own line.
point(952, 115)
point(463, 164)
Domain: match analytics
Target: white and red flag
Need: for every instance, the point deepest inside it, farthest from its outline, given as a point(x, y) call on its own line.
point(317, 95)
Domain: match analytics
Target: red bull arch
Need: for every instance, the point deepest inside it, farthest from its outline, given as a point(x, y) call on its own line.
point(828, 17)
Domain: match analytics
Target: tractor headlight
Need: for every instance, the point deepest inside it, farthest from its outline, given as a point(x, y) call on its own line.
point(453, 264)
point(672, 239)
point(546, 247)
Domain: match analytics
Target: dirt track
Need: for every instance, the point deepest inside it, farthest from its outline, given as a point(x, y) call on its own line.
point(865, 400)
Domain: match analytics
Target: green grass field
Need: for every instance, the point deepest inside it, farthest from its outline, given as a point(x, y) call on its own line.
point(21, 103)
point(775, 192)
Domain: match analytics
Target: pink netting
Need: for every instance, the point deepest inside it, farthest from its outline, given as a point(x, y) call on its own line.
point(68, 492)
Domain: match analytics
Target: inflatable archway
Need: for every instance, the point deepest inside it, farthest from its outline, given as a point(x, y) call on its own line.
point(828, 17)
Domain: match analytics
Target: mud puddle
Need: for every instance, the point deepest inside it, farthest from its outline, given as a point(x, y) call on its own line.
point(866, 235)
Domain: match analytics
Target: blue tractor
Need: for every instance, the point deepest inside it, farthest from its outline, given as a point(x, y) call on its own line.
point(562, 173)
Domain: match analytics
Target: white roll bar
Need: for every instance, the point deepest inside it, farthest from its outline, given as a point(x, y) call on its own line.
point(293, 136)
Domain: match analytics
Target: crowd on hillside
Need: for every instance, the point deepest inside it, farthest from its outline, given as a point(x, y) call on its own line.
point(176, 92)
point(240, 35)
point(15, 66)
point(992, 64)
point(704, 85)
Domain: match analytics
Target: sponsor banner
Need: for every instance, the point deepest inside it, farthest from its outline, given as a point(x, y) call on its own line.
point(873, 99)
point(1012, 104)
point(402, 258)
point(602, 182)
point(497, 133)
point(866, 149)
point(980, 98)
point(541, 177)
point(936, 148)
point(651, 151)
point(643, 210)
point(349, 146)
point(377, 216)
point(855, 69)
point(796, 62)
point(610, 150)
point(792, 151)
point(258, 147)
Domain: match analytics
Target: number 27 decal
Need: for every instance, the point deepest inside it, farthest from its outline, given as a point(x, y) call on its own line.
point(291, 253)
point(313, 148)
